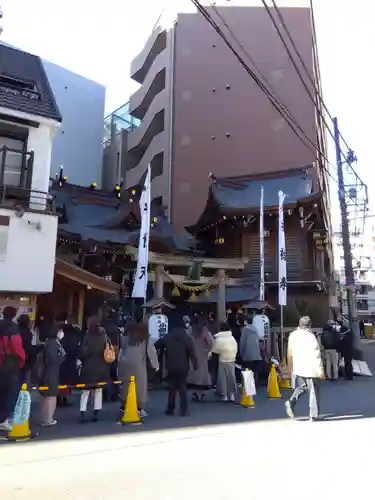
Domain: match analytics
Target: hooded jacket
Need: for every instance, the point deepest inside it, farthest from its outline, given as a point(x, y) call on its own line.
point(249, 344)
point(225, 346)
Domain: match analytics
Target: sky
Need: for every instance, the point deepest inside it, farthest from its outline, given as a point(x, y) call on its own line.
point(99, 39)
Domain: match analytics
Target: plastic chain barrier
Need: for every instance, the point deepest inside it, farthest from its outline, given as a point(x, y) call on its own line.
point(77, 386)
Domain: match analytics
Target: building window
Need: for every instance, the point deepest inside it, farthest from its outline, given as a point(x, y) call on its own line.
point(157, 165)
point(362, 275)
point(11, 161)
point(362, 290)
point(362, 305)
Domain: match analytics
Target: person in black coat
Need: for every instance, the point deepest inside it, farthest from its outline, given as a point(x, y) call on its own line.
point(69, 371)
point(94, 367)
point(347, 350)
point(330, 340)
point(179, 353)
point(52, 357)
point(110, 323)
point(27, 344)
point(213, 362)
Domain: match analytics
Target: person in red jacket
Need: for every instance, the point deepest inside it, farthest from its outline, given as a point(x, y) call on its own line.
point(12, 360)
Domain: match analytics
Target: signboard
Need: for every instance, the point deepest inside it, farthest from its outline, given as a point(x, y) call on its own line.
point(262, 325)
point(157, 326)
point(20, 310)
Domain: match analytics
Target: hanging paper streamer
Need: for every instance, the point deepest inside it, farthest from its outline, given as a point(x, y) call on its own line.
point(192, 297)
point(261, 244)
point(141, 277)
point(175, 292)
point(283, 285)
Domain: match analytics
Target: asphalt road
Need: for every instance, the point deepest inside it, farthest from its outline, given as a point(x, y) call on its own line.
point(221, 452)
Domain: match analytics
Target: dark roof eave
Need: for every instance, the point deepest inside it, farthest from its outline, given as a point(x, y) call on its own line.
point(270, 208)
point(203, 219)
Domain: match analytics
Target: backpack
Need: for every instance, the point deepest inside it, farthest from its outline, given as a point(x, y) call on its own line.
point(109, 351)
point(10, 362)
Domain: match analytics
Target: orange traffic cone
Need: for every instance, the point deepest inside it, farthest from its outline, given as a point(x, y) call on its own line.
point(20, 432)
point(273, 390)
point(131, 415)
point(246, 401)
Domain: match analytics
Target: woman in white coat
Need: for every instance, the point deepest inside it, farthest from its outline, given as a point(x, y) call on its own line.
point(226, 347)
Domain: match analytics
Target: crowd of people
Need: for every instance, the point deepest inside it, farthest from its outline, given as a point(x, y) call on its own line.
point(199, 354)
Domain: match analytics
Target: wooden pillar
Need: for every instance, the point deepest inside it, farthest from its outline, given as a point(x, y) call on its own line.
point(221, 297)
point(159, 282)
point(70, 301)
point(81, 306)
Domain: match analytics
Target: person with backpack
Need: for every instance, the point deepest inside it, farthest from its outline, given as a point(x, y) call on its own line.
point(95, 365)
point(330, 340)
point(12, 360)
point(47, 367)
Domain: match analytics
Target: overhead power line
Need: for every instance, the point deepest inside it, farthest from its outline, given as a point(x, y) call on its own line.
point(276, 103)
point(254, 65)
point(295, 66)
point(347, 156)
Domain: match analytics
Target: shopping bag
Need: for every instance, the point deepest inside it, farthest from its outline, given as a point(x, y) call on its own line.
point(249, 383)
point(22, 410)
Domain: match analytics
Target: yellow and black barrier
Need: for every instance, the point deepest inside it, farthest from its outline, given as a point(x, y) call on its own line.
point(43, 388)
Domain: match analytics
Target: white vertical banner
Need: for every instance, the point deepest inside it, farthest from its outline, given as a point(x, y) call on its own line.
point(282, 253)
point(141, 277)
point(261, 244)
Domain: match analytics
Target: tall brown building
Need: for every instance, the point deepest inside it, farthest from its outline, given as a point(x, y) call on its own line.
point(201, 112)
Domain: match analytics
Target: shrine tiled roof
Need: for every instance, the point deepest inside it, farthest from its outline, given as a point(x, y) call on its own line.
point(241, 195)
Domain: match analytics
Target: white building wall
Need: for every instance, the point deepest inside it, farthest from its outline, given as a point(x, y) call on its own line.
point(40, 141)
point(28, 247)
point(28, 242)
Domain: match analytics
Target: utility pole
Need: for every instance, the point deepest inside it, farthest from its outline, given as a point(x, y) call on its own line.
point(349, 275)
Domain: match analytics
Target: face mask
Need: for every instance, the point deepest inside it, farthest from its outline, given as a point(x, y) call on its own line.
point(60, 335)
point(187, 325)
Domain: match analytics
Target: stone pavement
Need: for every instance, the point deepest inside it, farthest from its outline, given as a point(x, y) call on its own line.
point(341, 398)
point(199, 456)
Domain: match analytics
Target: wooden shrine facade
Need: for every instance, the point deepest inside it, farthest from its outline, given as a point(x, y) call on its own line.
point(229, 228)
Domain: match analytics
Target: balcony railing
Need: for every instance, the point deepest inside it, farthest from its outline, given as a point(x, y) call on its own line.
point(16, 167)
point(22, 200)
point(117, 121)
point(16, 170)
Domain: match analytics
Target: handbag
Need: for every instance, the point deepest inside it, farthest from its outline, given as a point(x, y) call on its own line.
point(109, 351)
point(249, 383)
